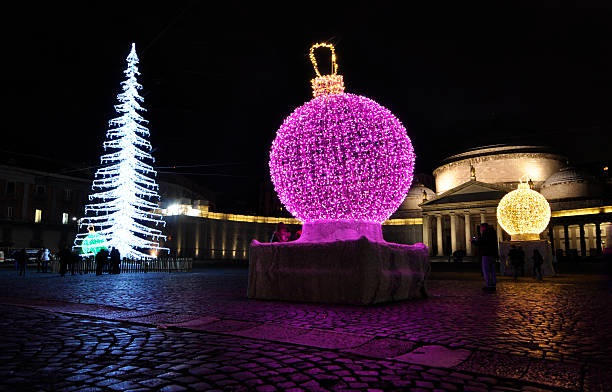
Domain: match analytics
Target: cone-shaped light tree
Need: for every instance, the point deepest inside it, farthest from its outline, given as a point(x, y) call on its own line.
point(125, 192)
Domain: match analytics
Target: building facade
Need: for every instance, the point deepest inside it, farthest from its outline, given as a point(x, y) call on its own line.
point(38, 208)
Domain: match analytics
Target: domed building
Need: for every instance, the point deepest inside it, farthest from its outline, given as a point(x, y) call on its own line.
point(470, 185)
point(571, 183)
point(581, 214)
point(502, 165)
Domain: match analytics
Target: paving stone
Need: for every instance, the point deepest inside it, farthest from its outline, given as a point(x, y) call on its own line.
point(122, 386)
point(435, 356)
point(554, 373)
point(330, 340)
point(154, 382)
point(382, 348)
point(273, 332)
point(501, 365)
point(173, 388)
point(227, 326)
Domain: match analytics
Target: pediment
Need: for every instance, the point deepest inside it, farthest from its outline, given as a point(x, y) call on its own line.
point(468, 192)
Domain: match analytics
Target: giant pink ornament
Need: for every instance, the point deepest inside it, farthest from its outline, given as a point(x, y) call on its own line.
point(341, 158)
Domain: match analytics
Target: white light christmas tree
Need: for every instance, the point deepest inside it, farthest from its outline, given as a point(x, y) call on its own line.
point(126, 195)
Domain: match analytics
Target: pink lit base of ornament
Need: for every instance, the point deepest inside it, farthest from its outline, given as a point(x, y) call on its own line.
point(354, 271)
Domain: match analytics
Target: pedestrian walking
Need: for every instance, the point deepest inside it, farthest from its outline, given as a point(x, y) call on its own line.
point(487, 249)
point(538, 260)
point(45, 258)
point(22, 261)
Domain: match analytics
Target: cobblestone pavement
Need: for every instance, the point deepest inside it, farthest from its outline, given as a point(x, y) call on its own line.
point(198, 331)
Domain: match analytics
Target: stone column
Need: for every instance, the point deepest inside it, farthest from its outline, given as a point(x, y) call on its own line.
point(453, 232)
point(439, 233)
point(566, 239)
point(582, 241)
point(598, 237)
point(500, 235)
point(551, 237)
point(468, 234)
point(482, 217)
point(426, 231)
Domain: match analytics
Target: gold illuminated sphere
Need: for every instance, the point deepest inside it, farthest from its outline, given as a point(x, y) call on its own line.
point(523, 213)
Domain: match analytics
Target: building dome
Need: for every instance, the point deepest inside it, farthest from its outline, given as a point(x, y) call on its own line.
point(416, 196)
point(500, 165)
point(570, 182)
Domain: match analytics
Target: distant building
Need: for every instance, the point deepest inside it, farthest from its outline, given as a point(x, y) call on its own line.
point(39, 208)
point(471, 184)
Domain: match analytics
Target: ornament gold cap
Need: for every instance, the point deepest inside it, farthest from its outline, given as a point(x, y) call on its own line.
point(326, 84)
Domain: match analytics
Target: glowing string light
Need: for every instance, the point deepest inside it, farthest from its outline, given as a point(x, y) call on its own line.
point(523, 213)
point(326, 84)
point(127, 198)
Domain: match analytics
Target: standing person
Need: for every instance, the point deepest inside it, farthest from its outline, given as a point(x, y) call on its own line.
point(281, 234)
point(75, 263)
point(39, 259)
point(46, 256)
point(521, 259)
point(101, 259)
point(115, 260)
point(22, 260)
point(487, 248)
point(64, 256)
point(298, 234)
point(538, 260)
point(514, 256)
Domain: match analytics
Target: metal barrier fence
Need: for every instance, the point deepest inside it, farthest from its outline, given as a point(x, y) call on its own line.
point(88, 266)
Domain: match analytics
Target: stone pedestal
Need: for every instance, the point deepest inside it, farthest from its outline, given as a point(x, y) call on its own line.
point(352, 271)
point(528, 246)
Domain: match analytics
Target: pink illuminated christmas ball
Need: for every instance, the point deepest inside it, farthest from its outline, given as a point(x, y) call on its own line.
point(342, 157)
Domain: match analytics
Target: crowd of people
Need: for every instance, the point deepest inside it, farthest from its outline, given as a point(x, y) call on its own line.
point(516, 255)
point(69, 261)
point(486, 243)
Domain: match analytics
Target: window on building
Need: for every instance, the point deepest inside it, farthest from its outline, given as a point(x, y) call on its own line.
point(64, 218)
point(67, 194)
point(37, 216)
point(9, 212)
point(10, 188)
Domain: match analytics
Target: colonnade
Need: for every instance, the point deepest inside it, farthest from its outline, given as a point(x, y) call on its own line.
point(461, 233)
point(586, 238)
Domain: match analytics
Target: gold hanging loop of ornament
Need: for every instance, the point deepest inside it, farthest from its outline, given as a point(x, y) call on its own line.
point(326, 84)
point(313, 59)
point(523, 184)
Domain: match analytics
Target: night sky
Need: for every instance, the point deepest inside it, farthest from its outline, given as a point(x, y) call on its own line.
point(218, 81)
